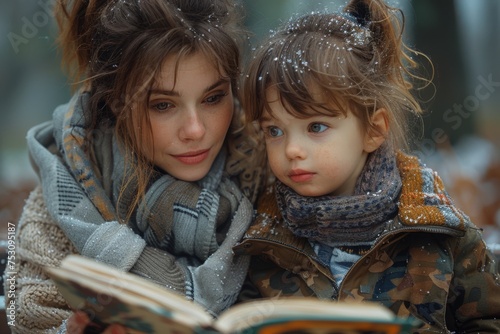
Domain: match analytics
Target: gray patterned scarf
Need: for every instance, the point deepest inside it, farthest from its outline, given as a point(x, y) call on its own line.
point(195, 225)
point(346, 220)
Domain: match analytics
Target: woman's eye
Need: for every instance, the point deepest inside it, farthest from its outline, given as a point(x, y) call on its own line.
point(317, 127)
point(273, 131)
point(216, 98)
point(162, 106)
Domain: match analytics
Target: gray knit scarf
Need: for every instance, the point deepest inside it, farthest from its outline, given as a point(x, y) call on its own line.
point(195, 225)
point(346, 220)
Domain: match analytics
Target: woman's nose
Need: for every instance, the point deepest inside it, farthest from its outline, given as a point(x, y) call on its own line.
point(192, 126)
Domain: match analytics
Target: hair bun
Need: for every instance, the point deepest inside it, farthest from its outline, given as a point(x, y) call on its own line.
point(360, 10)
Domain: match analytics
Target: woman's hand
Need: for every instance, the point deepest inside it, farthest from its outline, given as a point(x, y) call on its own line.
point(79, 323)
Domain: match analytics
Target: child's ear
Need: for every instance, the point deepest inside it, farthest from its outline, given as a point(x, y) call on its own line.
point(377, 132)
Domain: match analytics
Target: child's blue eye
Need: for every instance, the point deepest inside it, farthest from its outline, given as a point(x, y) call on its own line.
point(317, 127)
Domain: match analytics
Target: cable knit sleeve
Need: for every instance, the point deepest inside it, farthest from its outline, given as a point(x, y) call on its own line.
point(39, 242)
point(161, 268)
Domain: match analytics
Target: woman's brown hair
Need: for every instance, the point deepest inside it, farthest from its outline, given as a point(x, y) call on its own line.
point(115, 50)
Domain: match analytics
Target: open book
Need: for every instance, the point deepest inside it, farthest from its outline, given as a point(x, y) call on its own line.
point(109, 295)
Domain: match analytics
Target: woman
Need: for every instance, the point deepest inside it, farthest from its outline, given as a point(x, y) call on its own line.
point(143, 168)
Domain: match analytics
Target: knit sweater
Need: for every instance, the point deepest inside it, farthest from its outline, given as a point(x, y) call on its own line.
point(39, 307)
point(40, 242)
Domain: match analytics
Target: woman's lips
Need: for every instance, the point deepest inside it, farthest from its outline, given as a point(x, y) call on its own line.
point(192, 158)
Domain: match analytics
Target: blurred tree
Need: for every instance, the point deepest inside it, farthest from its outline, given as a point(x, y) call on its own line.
point(435, 34)
point(31, 81)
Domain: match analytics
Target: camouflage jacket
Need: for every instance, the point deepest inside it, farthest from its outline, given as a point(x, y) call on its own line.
point(431, 263)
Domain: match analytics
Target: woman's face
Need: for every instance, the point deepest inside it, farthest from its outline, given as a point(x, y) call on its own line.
point(189, 117)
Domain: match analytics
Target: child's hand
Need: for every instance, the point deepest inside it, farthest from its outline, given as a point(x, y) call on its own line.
point(79, 323)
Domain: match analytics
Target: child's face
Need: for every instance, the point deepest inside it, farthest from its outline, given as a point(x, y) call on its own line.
point(189, 117)
point(316, 156)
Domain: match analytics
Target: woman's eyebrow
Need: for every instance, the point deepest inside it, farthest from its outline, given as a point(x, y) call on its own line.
point(176, 93)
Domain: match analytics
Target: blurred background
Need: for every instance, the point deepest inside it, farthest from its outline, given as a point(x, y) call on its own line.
point(461, 137)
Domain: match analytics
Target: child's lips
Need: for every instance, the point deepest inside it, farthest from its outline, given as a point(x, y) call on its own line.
point(300, 175)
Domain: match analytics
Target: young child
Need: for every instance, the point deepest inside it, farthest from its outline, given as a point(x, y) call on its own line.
point(352, 217)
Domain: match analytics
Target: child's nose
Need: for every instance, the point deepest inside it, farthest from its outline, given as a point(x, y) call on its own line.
point(294, 149)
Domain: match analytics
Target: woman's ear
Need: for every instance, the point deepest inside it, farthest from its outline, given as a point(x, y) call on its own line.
point(377, 131)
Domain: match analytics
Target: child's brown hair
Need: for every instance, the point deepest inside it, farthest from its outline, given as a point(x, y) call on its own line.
point(356, 57)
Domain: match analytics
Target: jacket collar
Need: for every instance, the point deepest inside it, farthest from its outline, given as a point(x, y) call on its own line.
point(424, 200)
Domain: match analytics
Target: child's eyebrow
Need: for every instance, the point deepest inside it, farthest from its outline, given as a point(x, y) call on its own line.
point(265, 118)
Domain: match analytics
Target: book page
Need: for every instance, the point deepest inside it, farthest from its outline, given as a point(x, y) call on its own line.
point(133, 284)
point(116, 296)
